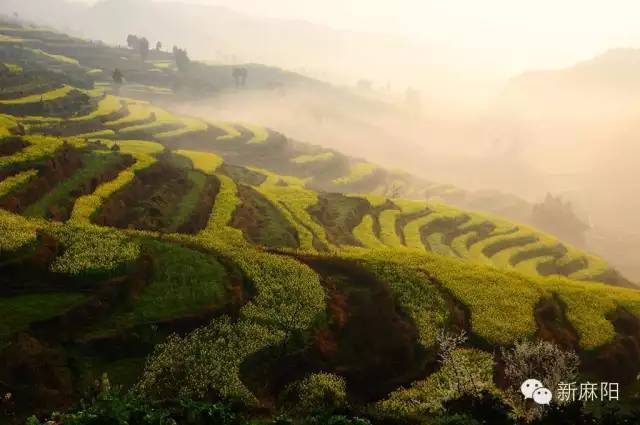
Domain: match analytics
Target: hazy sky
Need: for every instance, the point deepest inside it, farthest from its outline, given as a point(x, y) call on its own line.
point(527, 33)
point(521, 34)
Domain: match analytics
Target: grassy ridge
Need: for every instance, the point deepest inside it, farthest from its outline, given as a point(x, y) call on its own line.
point(20, 311)
point(142, 152)
point(14, 182)
point(50, 95)
point(447, 268)
point(95, 164)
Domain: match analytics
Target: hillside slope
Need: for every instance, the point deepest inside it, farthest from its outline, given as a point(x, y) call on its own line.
point(123, 223)
point(587, 116)
point(84, 63)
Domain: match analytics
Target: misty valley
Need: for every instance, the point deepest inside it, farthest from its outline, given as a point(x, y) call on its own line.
point(212, 215)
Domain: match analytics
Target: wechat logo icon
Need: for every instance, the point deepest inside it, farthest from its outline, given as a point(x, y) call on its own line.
point(533, 389)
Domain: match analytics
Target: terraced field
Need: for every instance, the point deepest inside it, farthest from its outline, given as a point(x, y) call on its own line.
point(108, 131)
point(123, 223)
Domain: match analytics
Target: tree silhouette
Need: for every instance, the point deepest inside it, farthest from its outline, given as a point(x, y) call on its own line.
point(558, 217)
point(240, 76)
point(235, 73)
point(243, 76)
point(143, 48)
point(117, 76)
point(182, 58)
point(158, 46)
point(132, 41)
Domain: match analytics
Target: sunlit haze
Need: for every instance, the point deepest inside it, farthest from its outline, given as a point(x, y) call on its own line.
point(353, 212)
point(504, 36)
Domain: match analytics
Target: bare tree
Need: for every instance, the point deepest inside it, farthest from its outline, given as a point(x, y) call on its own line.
point(541, 360)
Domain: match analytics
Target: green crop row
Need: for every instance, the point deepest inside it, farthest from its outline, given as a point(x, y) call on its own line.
point(412, 236)
point(501, 302)
point(595, 265)
point(289, 300)
point(136, 146)
point(359, 171)
point(437, 245)
point(503, 258)
point(306, 159)
point(206, 162)
point(588, 306)
point(108, 105)
point(20, 311)
point(108, 133)
point(459, 243)
point(95, 164)
point(8, 39)
point(93, 251)
point(14, 182)
point(188, 125)
point(184, 283)
point(138, 110)
point(363, 232)
point(39, 148)
point(388, 233)
point(17, 232)
point(413, 229)
point(57, 58)
point(388, 219)
point(189, 201)
point(218, 231)
point(259, 134)
point(14, 68)
point(7, 122)
point(50, 95)
point(500, 234)
point(293, 199)
point(230, 132)
point(530, 266)
point(86, 206)
point(412, 289)
point(142, 110)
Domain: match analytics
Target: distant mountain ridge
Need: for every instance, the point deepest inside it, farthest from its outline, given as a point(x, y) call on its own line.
point(219, 33)
point(606, 84)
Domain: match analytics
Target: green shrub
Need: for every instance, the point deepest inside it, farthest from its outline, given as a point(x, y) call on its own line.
point(425, 398)
point(318, 393)
point(453, 420)
point(204, 361)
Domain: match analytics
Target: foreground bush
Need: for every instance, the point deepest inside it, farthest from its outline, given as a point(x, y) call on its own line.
point(541, 360)
point(114, 408)
point(318, 393)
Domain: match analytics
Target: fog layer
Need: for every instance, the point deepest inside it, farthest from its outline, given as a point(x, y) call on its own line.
point(420, 106)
